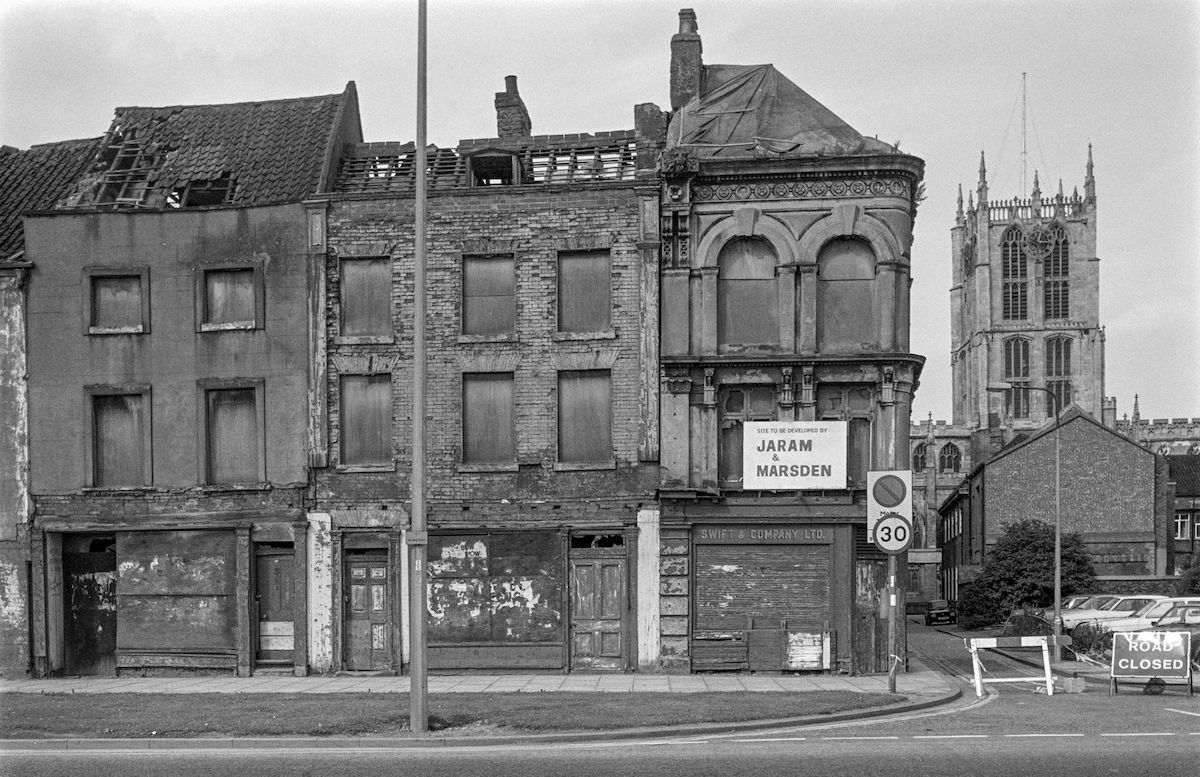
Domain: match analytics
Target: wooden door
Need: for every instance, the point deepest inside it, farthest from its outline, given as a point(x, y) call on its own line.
point(273, 596)
point(598, 613)
point(90, 613)
point(367, 614)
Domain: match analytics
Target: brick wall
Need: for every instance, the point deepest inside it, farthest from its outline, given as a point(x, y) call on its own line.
point(533, 224)
point(14, 610)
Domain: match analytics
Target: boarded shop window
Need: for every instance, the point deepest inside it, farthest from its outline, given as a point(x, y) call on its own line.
point(119, 456)
point(117, 304)
point(585, 416)
point(366, 419)
point(1016, 372)
point(231, 298)
point(489, 295)
point(488, 428)
point(233, 435)
point(584, 291)
point(366, 297)
point(1013, 273)
point(846, 297)
point(739, 404)
point(854, 404)
point(495, 588)
point(747, 299)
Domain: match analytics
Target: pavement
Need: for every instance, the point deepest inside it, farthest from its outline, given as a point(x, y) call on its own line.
point(922, 686)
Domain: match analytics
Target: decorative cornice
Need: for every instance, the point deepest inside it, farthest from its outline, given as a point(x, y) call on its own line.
point(760, 189)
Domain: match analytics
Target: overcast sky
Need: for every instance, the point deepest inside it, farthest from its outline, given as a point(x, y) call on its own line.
point(942, 77)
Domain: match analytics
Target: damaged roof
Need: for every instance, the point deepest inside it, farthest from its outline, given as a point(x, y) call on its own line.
point(755, 112)
point(34, 180)
point(238, 154)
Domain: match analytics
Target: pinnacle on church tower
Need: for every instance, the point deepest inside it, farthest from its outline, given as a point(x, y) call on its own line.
point(959, 215)
point(1036, 197)
point(1089, 182)
point(982, 181)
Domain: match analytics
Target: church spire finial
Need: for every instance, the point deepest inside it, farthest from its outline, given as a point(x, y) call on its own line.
point(982, 180)
point(1089, 183)
point(959, 215)
point(1137, 413)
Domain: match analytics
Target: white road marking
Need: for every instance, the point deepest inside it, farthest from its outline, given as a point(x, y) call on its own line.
point(1043, 735)
point(1182, 712)
point(773, 739)
point(860, 737)
point(1147, 734)
point(951, 736)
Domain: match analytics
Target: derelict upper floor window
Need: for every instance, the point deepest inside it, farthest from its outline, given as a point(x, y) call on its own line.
point(365, 296)
point(855, 404)
point(585, 416)
point(846, 318)
point(488, 418)
point(230, 297)
point(120, 437)
point(489, 295)
point(365, 429)
point(232, 427)
point(747, 297)
point(737, 405)
point(118, 300)
point(584, 291)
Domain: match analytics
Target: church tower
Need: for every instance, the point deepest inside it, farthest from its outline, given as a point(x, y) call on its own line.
point(1025, 308)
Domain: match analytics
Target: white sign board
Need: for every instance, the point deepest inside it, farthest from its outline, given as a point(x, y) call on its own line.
point(888, 491)
point(794, 455)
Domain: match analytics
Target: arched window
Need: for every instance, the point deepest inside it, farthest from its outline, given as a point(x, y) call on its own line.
point(1056, 297)
point(846, 297)
point(747, 300)
point(918, 461)
point(949, 459)
point(1013, 274)
point(1058, 370)
point(1016, 372)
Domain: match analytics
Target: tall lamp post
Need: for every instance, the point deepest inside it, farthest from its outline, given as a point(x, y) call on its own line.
point(1000, 388)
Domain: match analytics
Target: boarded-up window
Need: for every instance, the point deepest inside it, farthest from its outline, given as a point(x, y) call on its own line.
point(846, 297)
point(489, 295)
point(366, 419)
point(229, 296)
point(118, 452)
point(366, 297)
point(584, 291)
point(585, 416)
point(488, 429)
point(739, 404)
point(116, 302)
point(233, 435)
point(855, 404)
point(747, 298)
point(495, 588)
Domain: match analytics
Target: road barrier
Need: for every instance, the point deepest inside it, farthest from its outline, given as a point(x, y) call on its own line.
point(984, 643)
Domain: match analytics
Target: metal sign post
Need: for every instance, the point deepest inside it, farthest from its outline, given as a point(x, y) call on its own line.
point(889, 525)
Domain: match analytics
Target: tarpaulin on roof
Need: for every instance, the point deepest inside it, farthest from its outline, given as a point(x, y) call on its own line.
point(754, 111)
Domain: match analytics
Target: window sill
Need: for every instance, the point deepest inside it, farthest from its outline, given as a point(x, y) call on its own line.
point(470, 339)
point(583, 466)
point(567, 337)
point(117, 489)
point(364, 340)
point(116, 330)
point(352, 468)
point(493, 467)
point(213, 487)
point(229, 326)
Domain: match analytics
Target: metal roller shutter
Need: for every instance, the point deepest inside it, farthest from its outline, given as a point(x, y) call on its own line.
point(764, 582)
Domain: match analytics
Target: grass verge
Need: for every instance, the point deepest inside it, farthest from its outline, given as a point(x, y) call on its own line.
point(120, 715)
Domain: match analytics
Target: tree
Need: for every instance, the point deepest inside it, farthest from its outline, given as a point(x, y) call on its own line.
point(1188, 583)
point(1019, 573)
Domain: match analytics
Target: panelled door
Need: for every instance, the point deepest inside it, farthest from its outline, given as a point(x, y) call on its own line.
point(273, 584)
point(598, 613)
point(367, 613)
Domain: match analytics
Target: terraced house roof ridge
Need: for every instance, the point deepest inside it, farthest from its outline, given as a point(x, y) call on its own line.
point(238, 154)
point(34, 179)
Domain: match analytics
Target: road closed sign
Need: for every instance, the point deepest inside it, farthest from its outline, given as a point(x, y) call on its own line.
point(794, 455)
point(1146, 654)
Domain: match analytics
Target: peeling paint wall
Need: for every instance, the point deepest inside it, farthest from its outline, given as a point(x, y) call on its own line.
point(647, 589)
point(320, 593)
point(14, 406)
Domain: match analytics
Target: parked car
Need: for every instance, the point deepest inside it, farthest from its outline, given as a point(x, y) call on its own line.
point(941, 611)
point(1071, 602)
point(1117, 607)
point(1151, 614)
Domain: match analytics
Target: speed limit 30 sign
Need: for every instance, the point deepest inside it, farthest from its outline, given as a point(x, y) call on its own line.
point(893, 533)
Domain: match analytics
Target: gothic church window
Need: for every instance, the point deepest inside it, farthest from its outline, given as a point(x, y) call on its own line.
point(1056, 290)
point(949, 459)
point(1016, 372)
point(918, 458)
point(1058, 369)
point(846, 297)
point(747, 302)
point(1014, 277)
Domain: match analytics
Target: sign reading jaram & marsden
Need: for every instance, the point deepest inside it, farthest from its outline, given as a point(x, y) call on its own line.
point(794, 455)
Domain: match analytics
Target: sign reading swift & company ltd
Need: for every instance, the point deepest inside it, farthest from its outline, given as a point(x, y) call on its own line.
point(792, 455)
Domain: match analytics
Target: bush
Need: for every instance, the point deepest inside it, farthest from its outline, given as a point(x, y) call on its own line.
point(1188, 583)
point(1091, 639)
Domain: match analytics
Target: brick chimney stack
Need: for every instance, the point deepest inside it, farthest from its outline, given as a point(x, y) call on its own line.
point(512, 120)
point(687, 69)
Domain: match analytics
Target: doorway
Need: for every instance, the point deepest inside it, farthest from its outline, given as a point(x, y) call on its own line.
point(367, 609)
point(273, 618)
point(89, 563)
point(599, 604)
